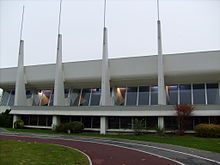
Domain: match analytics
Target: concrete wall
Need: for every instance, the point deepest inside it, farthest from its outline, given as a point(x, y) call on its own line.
point(179, 68)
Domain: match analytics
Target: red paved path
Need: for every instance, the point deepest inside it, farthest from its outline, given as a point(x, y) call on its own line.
point(101, 154)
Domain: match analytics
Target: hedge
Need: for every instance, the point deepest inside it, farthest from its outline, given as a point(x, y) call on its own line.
point(19, 124)
point(208, 130)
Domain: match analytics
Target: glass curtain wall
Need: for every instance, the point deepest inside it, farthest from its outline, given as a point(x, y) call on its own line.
point(172, 94)
point(154, 95)
point(213, 93)
point(12, 98)
point(5, 98)
point(199, 94)
point(95, 98)
point(185, 94)
point(120, 96)
point(143, 95)
point(131, 96)
point(75, 97)
point(85, 97)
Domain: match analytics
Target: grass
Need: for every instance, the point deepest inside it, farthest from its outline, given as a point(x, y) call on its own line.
point(208, 144)
point(32, 153)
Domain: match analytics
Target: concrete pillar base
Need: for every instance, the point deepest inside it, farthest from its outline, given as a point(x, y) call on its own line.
point(55, 122)
point(15, 118)
point(103, 125)
point(161, 123)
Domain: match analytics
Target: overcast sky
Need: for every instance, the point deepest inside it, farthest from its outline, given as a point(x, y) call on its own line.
point(187, 26)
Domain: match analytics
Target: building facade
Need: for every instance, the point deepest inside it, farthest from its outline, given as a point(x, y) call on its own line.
point(190, 78)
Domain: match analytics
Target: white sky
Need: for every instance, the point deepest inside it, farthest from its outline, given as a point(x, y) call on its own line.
point(187, 25)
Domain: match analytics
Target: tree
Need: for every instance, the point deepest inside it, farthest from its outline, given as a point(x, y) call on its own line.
point(183, 112)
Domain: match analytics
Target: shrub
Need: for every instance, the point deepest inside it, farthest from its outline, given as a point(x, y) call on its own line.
point(19, 124)
point(74, 127)
point(208, 130)
point(138, 126)
point(183, 112)
point(6, 119)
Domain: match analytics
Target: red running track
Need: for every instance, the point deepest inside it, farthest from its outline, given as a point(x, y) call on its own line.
point(102, 154)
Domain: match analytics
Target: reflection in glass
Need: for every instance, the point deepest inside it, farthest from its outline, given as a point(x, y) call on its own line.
point(213, 94)
point(84, 101)
point(12, 98)
point(154, 95)
point(120, 95)
point(143, 96)
point(96, 94)
point(198, 94)
point(74, 97)
point(36, 98)
point(5, 98)
point(28, 94)
point(44, 97)
point(131, 96)
point(51, 98)
point(172, 94)
point(185, 94)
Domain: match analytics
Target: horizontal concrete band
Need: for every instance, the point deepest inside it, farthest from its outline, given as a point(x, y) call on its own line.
point(157, 110)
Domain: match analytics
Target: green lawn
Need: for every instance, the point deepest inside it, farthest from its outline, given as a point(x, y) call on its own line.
point(32, 153)
point(208, 144)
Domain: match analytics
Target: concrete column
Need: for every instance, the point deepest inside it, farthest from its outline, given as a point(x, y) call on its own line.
point(161, 122)
point(105, 84)
point(103, 125)
point(15, 118)
point(59, 98)
point(20, 91)
point(161, 84)
point(55, 122)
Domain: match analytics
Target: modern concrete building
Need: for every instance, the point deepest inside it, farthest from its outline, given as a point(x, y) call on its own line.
point(109, 94)
point(190, 78)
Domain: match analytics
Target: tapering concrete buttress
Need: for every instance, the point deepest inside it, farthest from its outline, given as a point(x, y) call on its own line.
point(59, 78)
point(105, 85)
point(161, 86)
point(20, 91)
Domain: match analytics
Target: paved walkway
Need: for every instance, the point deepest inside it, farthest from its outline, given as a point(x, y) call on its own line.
point(103, 151)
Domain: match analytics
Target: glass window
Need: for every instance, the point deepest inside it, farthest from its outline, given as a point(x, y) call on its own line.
point(33, 119)
point(213, 94)
point(65, 119)
point(42, 120)
point(154, 95)
point(66, 93)
point(86, 120)
point(28, 94)
point(131, 96)
point(26, 119)
point(143, 96)
point(170, 123)
point(75, 96)
point(185, 94)
point(36, 98)
point(125, 122)
point(96, 94)
point(84, 101)
point(51, 98)
point(113, 122)
point(172, 94)
point(95, 122)
point(75, 118)
point(151, 122)
point(198, 94)
point(12, 98)
point(5, 98)
point(120, 96)
point(44, 97)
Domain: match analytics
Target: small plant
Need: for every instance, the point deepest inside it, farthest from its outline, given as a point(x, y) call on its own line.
point(6, 119)
point(74, 127)
point(183, 112)
point(208, 130)
point(19, 124)
point(138, 127)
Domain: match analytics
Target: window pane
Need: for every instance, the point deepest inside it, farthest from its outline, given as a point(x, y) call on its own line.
point(170, 123)
point(198, 94)
point(120, 96)
point(51, 98)
point(96, 94)
point(185, 94)
point(151, 122)
point(154, 95)
point(12, 98)
point(84, 101)
point(95, 122)
point(33, 119)
point(86, 120)
point(5, 97)
point(125, 122)
point(213, 94)
point(172, 96)
point(37, 96)
point(113, 122)
point(75, 96)
point(45, 96)
point(28, 94)
point(131, 96)
point(143, 96)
